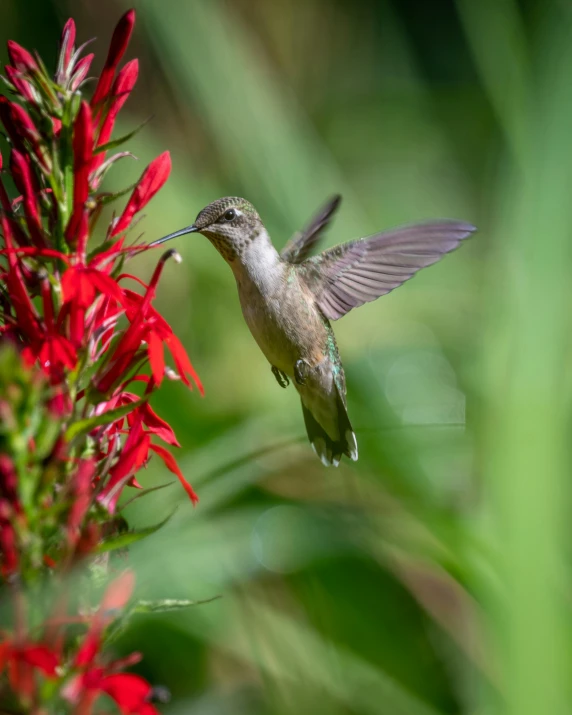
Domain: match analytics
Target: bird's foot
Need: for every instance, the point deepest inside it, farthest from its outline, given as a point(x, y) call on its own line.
point(281, 377)
point(301, 369)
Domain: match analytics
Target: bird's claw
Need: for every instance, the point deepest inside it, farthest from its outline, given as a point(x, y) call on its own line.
point(301, 371)
point(281, 377)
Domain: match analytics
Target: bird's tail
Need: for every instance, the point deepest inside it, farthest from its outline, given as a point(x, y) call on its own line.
point(328, 450)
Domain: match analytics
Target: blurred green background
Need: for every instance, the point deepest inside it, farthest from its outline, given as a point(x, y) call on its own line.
point(433, 576)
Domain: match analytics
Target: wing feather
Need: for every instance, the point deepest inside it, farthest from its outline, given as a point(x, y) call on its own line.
point(358, 272)
point(300, 245)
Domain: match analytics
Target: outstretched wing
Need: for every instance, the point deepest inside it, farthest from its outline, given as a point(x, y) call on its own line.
point(299, 246)
point(355, 273)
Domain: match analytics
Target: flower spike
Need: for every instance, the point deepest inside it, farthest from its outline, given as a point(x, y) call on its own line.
point(79, 338)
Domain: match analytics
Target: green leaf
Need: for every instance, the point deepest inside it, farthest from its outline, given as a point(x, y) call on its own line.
point(121, 541)
point(108, 197)
point(144, 492)
point(169, 604)
point(121, 140)
point(166, 605)
point(84, 426)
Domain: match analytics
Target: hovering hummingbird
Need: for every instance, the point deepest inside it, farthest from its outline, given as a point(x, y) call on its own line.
point(289, 298)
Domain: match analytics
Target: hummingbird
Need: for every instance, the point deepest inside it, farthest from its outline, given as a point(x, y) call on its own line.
point(289, 299)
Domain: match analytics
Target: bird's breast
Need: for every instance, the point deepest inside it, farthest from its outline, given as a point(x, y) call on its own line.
point(284, 323)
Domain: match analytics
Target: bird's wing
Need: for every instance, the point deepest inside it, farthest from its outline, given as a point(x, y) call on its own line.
point(299, 246)
point(355, 273)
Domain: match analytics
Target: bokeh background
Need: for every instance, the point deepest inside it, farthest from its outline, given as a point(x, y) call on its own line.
point(432, 576)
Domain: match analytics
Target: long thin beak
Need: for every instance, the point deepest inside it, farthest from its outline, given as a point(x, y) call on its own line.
point(182, 232)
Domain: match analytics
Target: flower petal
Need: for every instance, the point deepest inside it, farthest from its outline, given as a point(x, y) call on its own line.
point(182, 362)
point(158, 426)
point(20, 58)
point(156, 356)
point(122, 86)
point(41, 657)
point(80, 72)
point(22, 175)
point(20, 84)
point(119, 42)
point(67, 42)
point(172, 466)
point(129, 691)
point(82, 154)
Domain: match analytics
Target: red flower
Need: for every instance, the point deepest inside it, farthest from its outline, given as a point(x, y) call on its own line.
point(20, 84)
point(82, 491)
point(76, 339)
point(8, 546)
point(21, 129)
point(21, 660)
point(55, 351)
point(27, 317)
point(114, 599)
point(173, 467)
point(150, 419)
point(80, 287)
point(82, 154)
point(124, 83)
point(23, 123)
point(119, 43)
point(22, 175)
point(80, 72)
point(67, 43)
point(76, 232)
point(146, 326)
point(9, 482)
point(153, 178)
point(131, 692)
point(20, 58)
point(134, 455)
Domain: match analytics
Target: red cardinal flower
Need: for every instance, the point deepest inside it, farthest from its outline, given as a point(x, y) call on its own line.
point(20, 58)
point(82, 154)
point(74, 340)
point(119, 43)
point(149, 418)
point(24, 310)
point(124, 83)
point(131, 692)
point(81, 285)
point(80, 73)
point(9, 482)
point(9, 560)
point(76, 232)
point(134, 455)
point(54, 351)
point(22, 175)
point(21, 129)
point(67, 43)
point(82, 492)
point(146, 326)
point(21, 660)
point(16, 78)
point(153, 178)
point(114, 599)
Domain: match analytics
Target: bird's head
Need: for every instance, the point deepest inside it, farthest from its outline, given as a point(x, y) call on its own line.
point(230, 224)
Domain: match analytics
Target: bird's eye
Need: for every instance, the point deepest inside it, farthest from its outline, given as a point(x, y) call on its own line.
point(230, 215)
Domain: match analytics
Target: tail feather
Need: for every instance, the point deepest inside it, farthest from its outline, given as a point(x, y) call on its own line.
point(328, 450)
